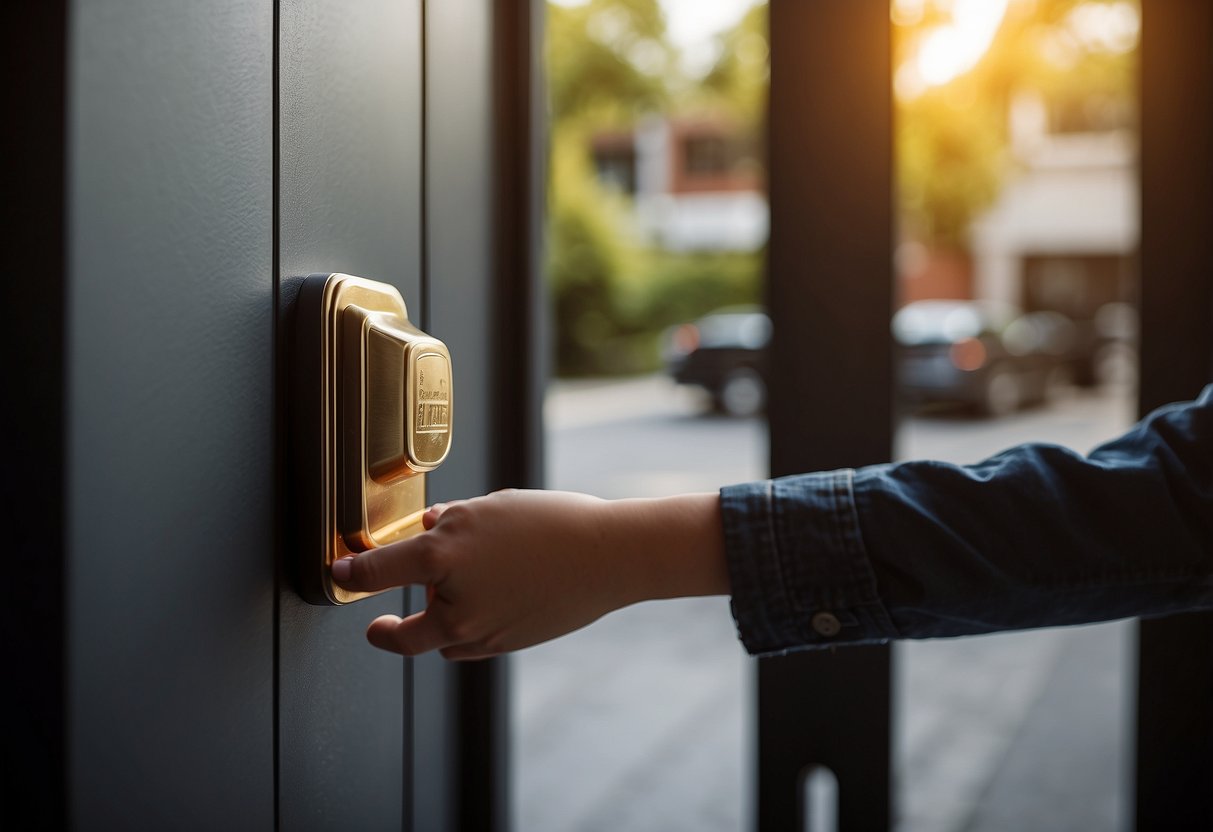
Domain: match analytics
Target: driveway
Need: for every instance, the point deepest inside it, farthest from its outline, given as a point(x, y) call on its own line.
point(639, 722)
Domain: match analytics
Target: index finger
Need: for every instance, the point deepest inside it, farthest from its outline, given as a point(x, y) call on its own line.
point(406, 562)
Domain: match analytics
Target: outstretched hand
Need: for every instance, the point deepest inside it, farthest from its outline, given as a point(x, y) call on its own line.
point(516, 568)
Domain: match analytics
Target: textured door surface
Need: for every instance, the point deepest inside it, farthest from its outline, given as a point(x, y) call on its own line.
point(459, 309)
point(169, 395)
point(217, 154)
point(349, 200)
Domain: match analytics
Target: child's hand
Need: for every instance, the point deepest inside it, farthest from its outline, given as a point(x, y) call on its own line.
point(517, 568)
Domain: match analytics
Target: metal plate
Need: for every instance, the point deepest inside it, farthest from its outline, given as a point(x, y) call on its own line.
point(376, 402)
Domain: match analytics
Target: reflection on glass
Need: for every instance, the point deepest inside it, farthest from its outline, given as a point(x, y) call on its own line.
point(1017, 207)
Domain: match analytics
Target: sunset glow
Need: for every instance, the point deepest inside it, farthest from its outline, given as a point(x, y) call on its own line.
point(952, 49)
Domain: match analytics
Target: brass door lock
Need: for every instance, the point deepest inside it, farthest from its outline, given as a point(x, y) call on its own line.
point(372, 400)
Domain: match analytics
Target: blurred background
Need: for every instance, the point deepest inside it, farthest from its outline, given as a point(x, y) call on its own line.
point(1016, 236)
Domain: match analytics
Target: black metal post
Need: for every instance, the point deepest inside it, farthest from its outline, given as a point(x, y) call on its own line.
point(830, 295)
point(1174, 777)
point(33, 475)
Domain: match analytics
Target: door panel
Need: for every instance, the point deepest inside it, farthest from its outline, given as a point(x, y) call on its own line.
point(170, 433)
point(459, 275)
point(349, 201)
point(204, 183)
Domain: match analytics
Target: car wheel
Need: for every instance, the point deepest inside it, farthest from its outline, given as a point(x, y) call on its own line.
point(743, 393)
point(1116, 365)
point(1059, 383)
point(1002, 394)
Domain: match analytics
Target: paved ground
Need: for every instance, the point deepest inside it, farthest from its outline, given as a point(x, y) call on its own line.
point(640, 721)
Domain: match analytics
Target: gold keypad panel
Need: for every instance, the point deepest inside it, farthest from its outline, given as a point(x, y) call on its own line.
point(385, 394)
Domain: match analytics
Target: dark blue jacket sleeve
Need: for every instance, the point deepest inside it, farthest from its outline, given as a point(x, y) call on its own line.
point(1035, 536)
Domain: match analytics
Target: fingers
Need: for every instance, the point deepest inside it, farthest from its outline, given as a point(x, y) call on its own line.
point(410, 561)
point(397, 564)
point(466, 652)
point(419, 633)
point(430, 518)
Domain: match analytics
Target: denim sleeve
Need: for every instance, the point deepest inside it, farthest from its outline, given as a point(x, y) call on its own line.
point(1035, 536)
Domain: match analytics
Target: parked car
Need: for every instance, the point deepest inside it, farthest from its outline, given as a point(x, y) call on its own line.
point(724, 353)
point(985, 355)
point(1115, 357)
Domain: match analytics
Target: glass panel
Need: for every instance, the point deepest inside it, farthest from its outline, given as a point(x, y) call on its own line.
point(657, 219)
point(1018, 228)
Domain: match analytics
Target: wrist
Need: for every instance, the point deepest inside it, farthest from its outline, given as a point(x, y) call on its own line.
point(669, 547)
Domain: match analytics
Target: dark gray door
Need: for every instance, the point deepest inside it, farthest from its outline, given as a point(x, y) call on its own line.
point(211, 155)
point(169, 395)
point(349, 200)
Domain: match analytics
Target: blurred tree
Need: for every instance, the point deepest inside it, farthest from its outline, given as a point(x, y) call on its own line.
point(608, 59)
point(741, 75)
point(950, 164)
point(584, 260)
point(609, 62)
point(952, 139)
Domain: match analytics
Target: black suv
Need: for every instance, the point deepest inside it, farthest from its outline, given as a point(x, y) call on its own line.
point(983, 354)
point(726, 354)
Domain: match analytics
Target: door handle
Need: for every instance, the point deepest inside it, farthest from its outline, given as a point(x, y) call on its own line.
point(372, 402)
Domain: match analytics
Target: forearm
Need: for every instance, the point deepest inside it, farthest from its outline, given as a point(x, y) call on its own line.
point(1036, 536)
point(516, 568)
point(668, 547)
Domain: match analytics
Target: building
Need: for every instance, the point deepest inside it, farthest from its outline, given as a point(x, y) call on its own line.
point(1064, 232)
point(697, 183)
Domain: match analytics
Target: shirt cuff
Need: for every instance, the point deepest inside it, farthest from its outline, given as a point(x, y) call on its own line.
point(799, 572)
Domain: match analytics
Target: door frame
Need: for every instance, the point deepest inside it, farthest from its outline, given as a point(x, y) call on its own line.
point(33, 485)
point(1174, 732)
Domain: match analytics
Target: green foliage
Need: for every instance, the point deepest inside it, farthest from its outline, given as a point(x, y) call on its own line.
point(608, 331)
point(683, 287)
point(585, 259)
point(952, 140)
point(609, 63)
point(607, 59)
point(612, 299)
point(741, 77)
point(950, 164)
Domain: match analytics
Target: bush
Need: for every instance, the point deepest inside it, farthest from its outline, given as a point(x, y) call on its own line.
point(681, 287)
point(609, 319)
point(585, 258)
point(611, 299)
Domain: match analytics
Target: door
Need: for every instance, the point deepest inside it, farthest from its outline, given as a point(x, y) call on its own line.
point(349, 199)
point(210, 156)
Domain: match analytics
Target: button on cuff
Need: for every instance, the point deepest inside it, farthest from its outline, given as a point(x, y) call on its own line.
point(826, 624)
point(800, 576)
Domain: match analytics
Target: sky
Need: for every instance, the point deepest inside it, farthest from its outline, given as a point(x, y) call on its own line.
point(692, 25)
